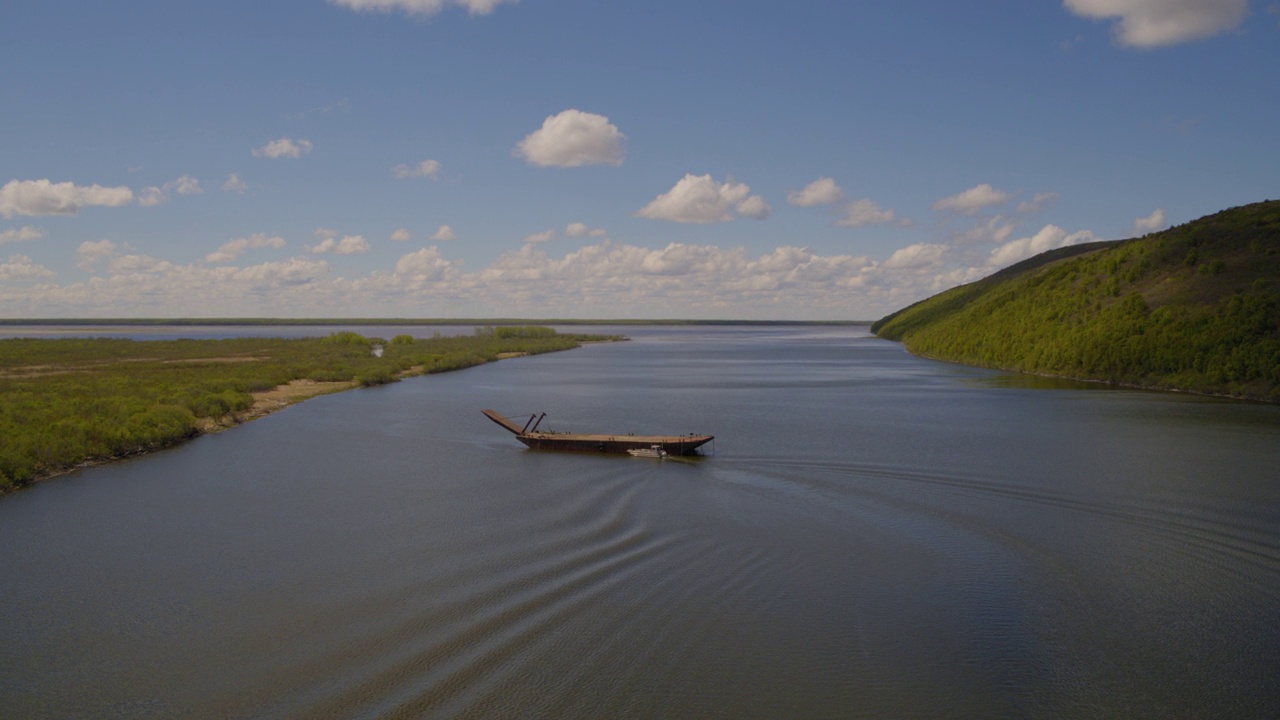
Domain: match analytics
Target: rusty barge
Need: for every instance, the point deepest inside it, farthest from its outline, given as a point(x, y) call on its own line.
point(596, 443)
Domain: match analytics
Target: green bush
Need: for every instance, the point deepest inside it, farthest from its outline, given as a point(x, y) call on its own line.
point(376, 376)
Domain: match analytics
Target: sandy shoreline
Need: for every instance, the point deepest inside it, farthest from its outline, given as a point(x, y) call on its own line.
point(277, 398)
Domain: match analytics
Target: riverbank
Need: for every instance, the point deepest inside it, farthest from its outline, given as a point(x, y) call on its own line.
point(278, 398)
point(1195, 308)
point(72, 402)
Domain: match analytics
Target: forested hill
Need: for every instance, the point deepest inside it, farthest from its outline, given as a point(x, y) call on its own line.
point(1196, 307)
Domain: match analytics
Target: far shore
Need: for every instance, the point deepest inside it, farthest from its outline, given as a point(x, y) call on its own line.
point(407, 322)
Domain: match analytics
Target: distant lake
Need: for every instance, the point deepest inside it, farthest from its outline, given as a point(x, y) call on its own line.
point(873, 535)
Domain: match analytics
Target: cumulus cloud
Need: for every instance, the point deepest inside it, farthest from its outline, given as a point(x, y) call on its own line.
point(699, 199)
point(187, 185)
point(329, 243)
point(234, 184)
point(401, 235)
point(422, 8)
point(572, 139)
point(541, 237)
point(864, 212)
point(151, 196)
point(91, 254)
point(20, 267)
point(1151, 223)
point(1158, 23)
point(21, 234)
point(41, 197)
point(424, 264)
point(443, 234)
point(972, 200)
point(678, 279)
point(426, 168)
point(233, 249)
point(754, 207)
point(919, 255)
point(822, 191)
point(1049, 238)
point(283, 148)
point(675, 280)
point(582, 230)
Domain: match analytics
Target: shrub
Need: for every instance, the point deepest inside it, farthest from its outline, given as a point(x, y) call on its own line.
point(376, 376)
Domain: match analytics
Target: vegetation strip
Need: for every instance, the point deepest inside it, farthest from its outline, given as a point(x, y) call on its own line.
point(67, 402)
point(1194, 308)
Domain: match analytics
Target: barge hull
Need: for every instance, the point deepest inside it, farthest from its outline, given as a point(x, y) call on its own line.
point(570, 442)
point(599, 443)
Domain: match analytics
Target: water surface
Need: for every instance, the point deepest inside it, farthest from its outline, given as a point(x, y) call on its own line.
point(876, 536)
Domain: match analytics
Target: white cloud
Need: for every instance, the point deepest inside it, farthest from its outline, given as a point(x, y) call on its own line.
point(20, 267)
point(974, 199)
point(444, 234)
point(233, 249)
point(919, 255)
point(41, 197)
point(21, 234)
point(572, 139)
point(329, 243)
point(864, 212)
point(422, 8)
point(1157, 23)
point(279, 275)
point(234, 184)
point(582, 230)
point(541, 237)
point(754, 207)
point(426, 168)
point(1049, 238)
point(424, 264)
point(676, 280)
point(152, 196)
point(699, 199)
point(90, 254)
point(401, 235)
point(187, 185)
point(822, 191)
point(283, 148)
point(1151, 223)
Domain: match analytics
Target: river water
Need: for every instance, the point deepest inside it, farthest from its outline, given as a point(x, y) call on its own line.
point(875, 536)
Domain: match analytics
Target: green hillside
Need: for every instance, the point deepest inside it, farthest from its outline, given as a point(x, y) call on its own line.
point(1196, 308)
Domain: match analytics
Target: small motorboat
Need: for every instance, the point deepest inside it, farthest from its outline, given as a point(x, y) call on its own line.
point(654, 451)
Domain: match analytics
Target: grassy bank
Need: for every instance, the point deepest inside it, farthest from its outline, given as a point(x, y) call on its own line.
point(66, 402)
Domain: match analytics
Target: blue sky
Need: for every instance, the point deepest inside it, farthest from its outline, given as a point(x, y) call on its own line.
point(565, 158)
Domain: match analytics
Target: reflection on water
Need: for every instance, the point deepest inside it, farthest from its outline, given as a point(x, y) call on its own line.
point(876, 536)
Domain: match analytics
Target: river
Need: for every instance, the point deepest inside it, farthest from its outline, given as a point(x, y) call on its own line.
point(872, 535)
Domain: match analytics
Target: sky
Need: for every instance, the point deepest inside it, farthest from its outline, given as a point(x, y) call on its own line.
point(684, 159)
